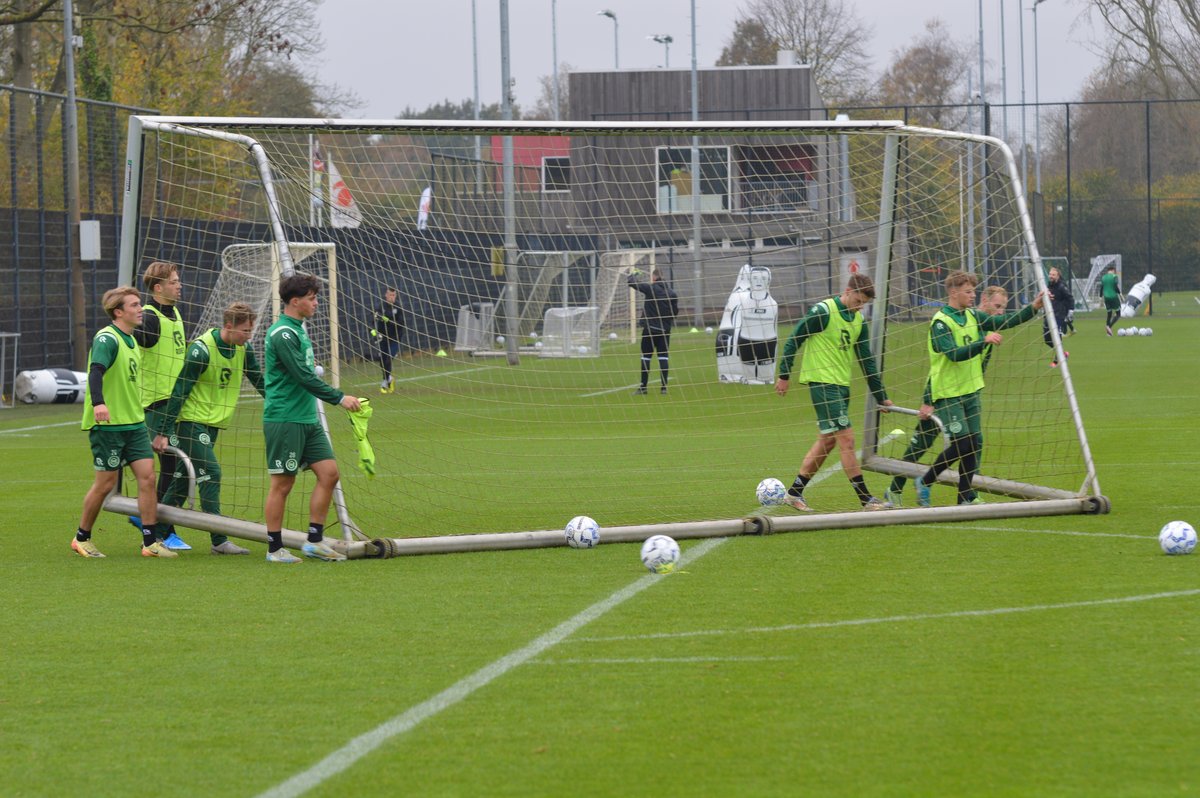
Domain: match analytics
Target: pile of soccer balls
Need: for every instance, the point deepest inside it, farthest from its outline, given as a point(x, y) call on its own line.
point(1177, 537)
point(1130, 331)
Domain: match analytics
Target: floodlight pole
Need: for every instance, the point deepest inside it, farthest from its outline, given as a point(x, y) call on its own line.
point(665, 39)
point(79, 341)
point(616, 51)
point(1037, 117)
point(512, 323)
point(697, 241)
point(554, 54)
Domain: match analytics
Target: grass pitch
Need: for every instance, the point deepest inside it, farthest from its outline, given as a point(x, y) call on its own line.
point(1032, 657)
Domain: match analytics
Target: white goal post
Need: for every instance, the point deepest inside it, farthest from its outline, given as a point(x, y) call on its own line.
point(503, 261)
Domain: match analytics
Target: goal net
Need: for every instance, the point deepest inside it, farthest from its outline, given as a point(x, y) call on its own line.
point(533, 265)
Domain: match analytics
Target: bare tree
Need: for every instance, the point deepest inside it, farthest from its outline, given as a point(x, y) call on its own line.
point(1159, 36)
point(544, 107)
point(827, 35)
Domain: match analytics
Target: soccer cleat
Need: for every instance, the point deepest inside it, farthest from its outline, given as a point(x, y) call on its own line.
point(282, 555)
point(1108, 330)
point(229, 547)
point(136, 521)
point(797, 503)
point(157, 549)
point(976, 500)
point(872, 504)
point(663, 390)
point(641, 391)
point(923, 499)
point(85, 548)
point(1053, 364)
point(322, 551)
point(894, 497)
point(175, 543)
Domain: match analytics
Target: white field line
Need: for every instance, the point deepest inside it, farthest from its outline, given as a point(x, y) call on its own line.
point(1070, 532)
point(430, 376)
point(654, 660)
point(611, 390)
point(799, 627)
point(346, 756)
point(41, 426)
point(359, 747)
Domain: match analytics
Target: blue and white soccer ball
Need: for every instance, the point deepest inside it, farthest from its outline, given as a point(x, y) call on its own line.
point(1177, 537)
point(770, 492)
point(660, 554)
point(582, 532)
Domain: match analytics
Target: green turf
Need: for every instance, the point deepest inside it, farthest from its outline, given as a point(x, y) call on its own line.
point(847, 663)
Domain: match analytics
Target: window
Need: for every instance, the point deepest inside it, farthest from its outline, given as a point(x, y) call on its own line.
point(556, 173)
point(776, 178)
point(678, 191)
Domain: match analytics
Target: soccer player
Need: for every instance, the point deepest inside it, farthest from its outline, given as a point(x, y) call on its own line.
point(993, 303)
point(1061, 303)
point(387, 332)
point(829, 333)
point(116, 423)
point(202, 403)
point(659, 310)
point(292, 430)
point(958, 336)
point(1110, 289)
point(163, 343)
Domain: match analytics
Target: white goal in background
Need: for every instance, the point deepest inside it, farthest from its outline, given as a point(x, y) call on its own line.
point(536, 440)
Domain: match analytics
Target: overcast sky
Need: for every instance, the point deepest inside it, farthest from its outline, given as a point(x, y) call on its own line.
point(397, 53)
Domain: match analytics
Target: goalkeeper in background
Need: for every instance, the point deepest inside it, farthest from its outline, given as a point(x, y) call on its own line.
point(293, 432)
point(659, 310)
point(387, 331)
point(202, 402)
point(829, 332)
point(959, 335)
point(993, 303)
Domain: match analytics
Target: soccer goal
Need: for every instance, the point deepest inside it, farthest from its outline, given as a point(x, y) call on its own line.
point(499, 453)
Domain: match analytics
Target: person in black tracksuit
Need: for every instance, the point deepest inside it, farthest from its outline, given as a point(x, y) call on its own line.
point(1061, 302)
point(387, 331)
point(659, 310)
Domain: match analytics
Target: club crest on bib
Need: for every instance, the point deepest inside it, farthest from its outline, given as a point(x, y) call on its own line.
point(205, 438)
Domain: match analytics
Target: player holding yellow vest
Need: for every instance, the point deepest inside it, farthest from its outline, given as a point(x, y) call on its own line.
point(202, 403)
point(162, 341)
point(832, 333)
point(112, 415)
point(959, 338)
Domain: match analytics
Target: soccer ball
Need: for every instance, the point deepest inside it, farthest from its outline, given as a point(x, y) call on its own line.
point(500, 339)
point(1177, 537)
point(1122, 332)
point(660, 554)
point(582, 532)
point(612, 336)
point(1146, 331)
point(708, 330)
point(770, 492)
point(537, 344)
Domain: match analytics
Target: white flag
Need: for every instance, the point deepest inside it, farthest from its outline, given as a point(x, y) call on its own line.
point(424, 207)
point(343, 210)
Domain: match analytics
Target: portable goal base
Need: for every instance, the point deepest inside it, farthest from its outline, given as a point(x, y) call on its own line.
point(239, 202)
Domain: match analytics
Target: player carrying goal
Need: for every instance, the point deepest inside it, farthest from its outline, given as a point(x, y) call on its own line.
point(829, 332)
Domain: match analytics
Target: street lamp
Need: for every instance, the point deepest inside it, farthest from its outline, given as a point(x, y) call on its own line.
point(616, 53)
point(665, 40)
point(1037, 109)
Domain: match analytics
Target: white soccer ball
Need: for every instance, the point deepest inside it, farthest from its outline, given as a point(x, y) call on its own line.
point(612, 336)
point(319, 369)
point(500, 339)
point(1177, 537)
point(582, 532)
point(1122, 332)
point(1135, 331)
point(583, 350)
point(1146, 331)
point(537, 344)
point(708, 330)
point(660, 554)
point(770, 492)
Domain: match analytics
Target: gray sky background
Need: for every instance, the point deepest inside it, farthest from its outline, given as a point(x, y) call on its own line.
point(397, 53)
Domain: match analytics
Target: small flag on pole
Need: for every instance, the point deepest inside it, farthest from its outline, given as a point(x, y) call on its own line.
point(343, 210)
point(424, 207)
